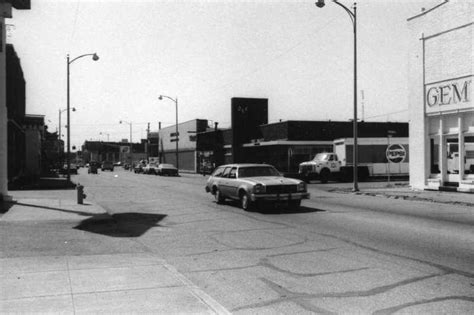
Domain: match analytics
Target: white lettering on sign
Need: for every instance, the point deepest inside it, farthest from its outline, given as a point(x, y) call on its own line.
point(396, 153)
point(449, 95)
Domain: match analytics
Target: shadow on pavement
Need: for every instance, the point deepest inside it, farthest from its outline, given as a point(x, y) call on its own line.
point(129, 224)
point(277, 208)
point(83, 213)
point(283, 209)
point(5, 206)
point(43, 183)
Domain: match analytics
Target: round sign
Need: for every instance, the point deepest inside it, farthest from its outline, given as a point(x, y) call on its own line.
point(396, 153)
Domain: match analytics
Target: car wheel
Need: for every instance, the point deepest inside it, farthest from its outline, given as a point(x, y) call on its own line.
point(219, 197)
point(324, 176)
point(245, 202)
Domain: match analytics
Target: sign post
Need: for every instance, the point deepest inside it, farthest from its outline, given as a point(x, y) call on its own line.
point(395, 153)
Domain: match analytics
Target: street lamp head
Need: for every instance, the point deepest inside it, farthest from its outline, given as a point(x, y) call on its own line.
point(120, 122)
point(320, 3)
point(73, 109)
point(160, 98)
point(95, 57)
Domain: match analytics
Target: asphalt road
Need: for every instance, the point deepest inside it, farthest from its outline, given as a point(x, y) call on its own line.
point(340, 253)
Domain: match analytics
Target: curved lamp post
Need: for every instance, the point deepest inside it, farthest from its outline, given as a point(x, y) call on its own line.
point(107, 134)
point(177, 133)
point(69, 61)
point(60, 112)
point(353, 17)
point(131, 146)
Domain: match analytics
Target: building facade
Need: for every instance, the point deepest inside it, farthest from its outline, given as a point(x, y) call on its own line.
point(34, 137)
point(184, 150)
point(124, 152)
point(16, 146)
point(441, 68)
point(286, 144)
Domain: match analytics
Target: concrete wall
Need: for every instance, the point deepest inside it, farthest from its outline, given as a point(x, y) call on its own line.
point(441, 49)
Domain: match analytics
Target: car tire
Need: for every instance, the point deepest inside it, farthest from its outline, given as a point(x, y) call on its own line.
point(324, 175)
point(219, 197)
point(245, 202)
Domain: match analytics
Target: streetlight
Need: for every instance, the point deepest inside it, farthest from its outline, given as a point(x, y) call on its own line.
point(95, 58)
point(353, 17)
point(177, 133)
point(60, 112)
point(105, 133)
point(131, 148)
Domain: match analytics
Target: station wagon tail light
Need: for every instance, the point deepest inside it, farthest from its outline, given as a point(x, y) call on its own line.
point(302, 186)
point(259, 189)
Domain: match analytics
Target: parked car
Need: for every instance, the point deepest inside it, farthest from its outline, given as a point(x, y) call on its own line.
point(150, 168)
point(93, 166)
point(166, 169)
point(138, 167)
point(107, 165)
point(255, 184)
point(72, 169)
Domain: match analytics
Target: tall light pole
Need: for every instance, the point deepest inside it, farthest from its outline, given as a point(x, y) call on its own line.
point(131, 147)
point(107, 134)
point(353, 17)
point(69, 61)
point(177, 133)
point(60, 112)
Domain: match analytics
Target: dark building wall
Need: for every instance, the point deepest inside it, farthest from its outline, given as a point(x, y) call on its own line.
point(15, 94)
point(286, 157)
point(15, 86)
point(329, 130)
point(247, 114)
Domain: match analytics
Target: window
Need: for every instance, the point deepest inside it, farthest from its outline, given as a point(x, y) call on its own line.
point(233, 173)
point(218, 172)
point(258, 171)
point(226, 172)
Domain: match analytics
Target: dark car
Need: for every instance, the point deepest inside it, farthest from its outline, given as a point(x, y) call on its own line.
point(254, 184)
point(107, 165)
point(138, 168)
point(72, 169)
point(93, 166)
point(166, 169)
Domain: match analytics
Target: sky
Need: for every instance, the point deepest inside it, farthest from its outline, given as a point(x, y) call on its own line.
point(203, 53)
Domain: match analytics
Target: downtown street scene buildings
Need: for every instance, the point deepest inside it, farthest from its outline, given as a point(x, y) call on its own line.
point(261, 195)
point(440, 152)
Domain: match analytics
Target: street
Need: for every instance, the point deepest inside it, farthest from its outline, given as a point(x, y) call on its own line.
point(340, 253)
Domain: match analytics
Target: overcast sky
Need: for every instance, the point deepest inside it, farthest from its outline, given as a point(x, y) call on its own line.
point(204, 53)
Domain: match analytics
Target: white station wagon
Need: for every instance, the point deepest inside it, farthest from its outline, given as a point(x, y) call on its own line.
point(253, 184)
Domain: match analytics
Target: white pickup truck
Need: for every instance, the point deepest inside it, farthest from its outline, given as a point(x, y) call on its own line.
point(377, 157)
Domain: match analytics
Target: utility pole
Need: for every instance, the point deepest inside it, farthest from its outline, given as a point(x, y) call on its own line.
point(158, 142)
point(148, 142)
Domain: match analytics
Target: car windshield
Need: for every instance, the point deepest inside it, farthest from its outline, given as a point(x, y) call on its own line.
point(321, 157)
point(257, 171)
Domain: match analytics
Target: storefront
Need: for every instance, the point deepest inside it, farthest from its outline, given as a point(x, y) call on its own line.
point(440, 97)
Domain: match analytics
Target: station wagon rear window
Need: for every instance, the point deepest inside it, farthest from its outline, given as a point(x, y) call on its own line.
point(257, 171)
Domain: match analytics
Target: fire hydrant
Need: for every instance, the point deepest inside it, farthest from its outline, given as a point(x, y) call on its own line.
point(80, 194)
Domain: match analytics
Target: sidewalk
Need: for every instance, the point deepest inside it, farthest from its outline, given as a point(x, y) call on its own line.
point(401, 190)
point(48, 265)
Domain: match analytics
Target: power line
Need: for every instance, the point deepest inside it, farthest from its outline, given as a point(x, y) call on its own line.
point(388, 114)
